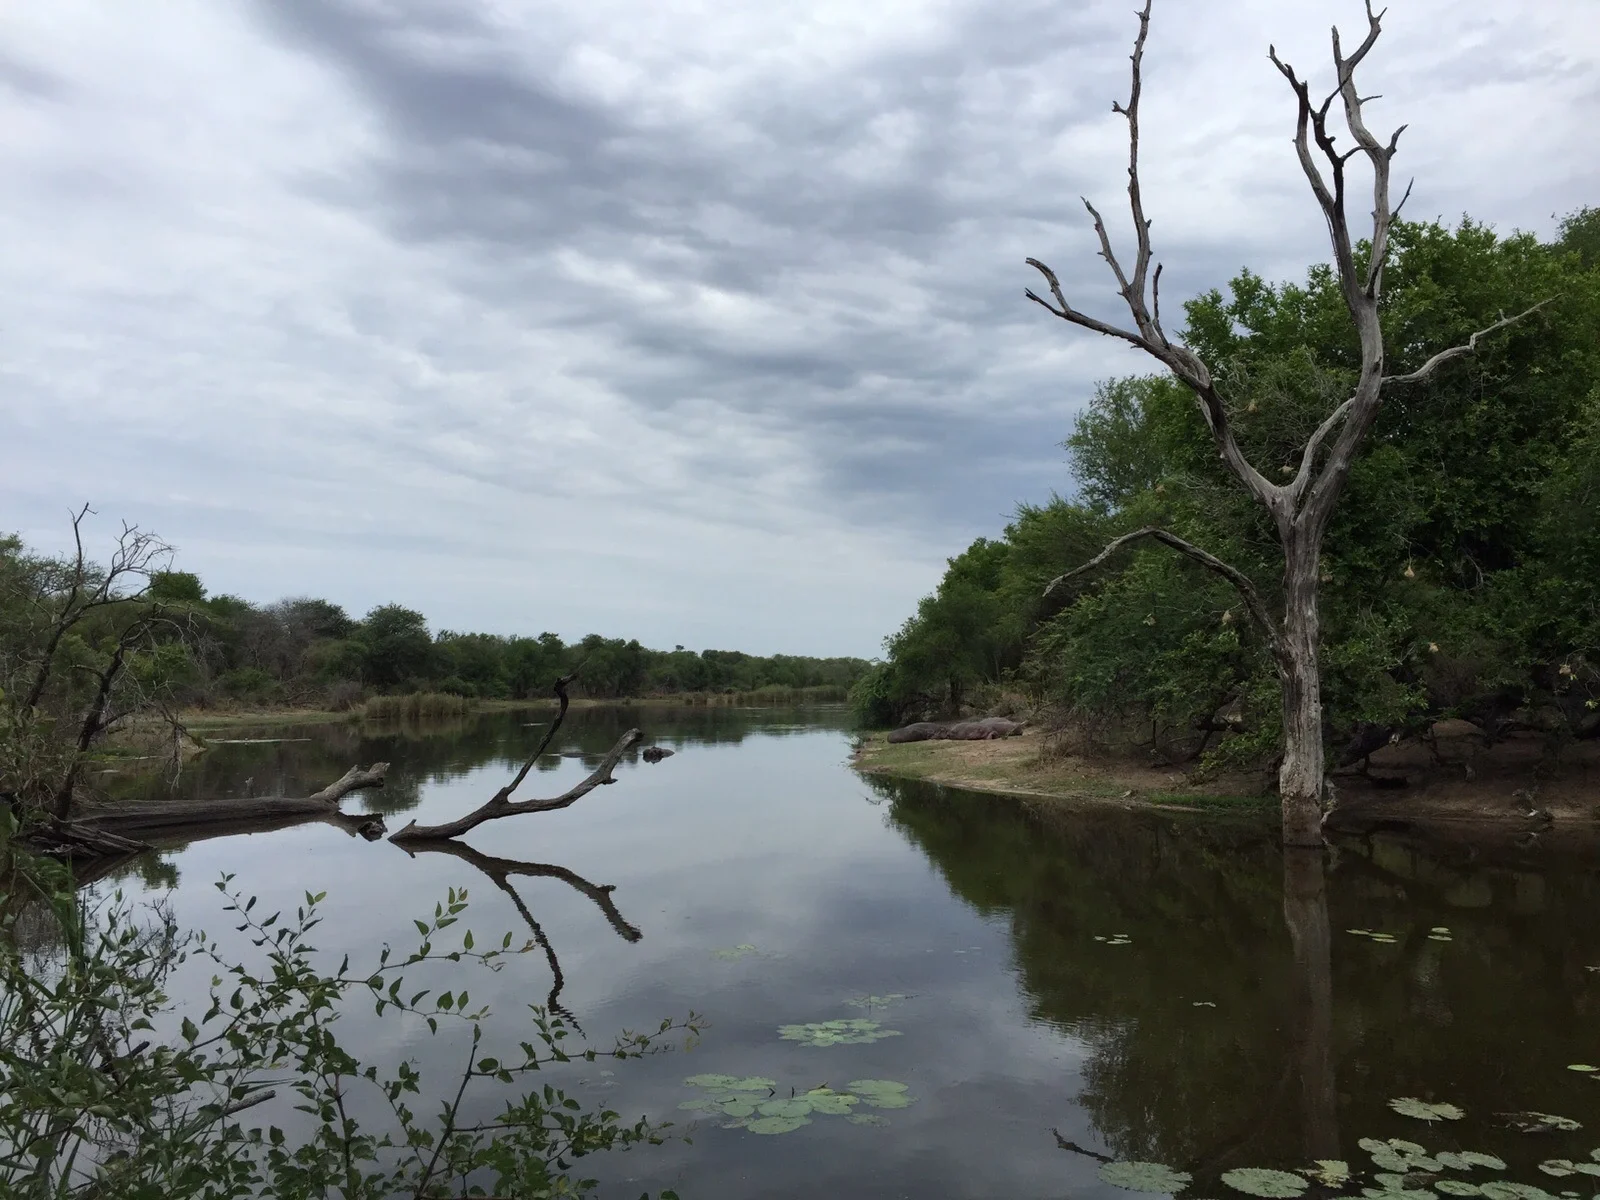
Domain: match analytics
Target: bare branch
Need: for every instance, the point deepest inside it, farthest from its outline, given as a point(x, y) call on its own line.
point(1067, 313)
point(499, 807)
point(560, 690)
point(1308, 456)
point(1233, 575)
point(1470, 346)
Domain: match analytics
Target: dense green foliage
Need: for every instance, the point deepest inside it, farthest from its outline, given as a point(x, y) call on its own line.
point(223, 649)
point(303, 650)
point(1461, 574)
point(109, 1090)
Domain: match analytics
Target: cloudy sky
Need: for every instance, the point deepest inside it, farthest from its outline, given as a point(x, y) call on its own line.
point(699, 321)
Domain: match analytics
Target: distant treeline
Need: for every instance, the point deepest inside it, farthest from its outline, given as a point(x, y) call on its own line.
point(311, 652)
point(1460, 577)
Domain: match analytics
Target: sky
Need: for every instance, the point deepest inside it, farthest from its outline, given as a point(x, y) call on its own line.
point(696, 321)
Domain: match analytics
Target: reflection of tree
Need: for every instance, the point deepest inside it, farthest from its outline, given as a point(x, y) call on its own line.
point(1305, 912)
point(1217, 913)
point(500, 871)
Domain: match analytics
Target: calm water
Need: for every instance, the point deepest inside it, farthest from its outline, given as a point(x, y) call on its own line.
point(1214, 1038)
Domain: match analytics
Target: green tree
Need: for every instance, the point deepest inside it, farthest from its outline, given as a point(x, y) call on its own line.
point(396, 647)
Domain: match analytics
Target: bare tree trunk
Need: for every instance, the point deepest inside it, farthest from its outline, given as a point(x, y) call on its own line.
point(1300, 776)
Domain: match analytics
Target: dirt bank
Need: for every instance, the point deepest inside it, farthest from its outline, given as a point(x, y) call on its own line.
point(1450, 779)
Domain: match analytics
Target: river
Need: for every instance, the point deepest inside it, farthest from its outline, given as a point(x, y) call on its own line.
point(1053, 989)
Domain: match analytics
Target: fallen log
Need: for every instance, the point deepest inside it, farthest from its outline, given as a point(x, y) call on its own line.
point(168, 816)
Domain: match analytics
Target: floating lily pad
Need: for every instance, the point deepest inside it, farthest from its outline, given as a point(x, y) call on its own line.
point(1466, 1160)
point(831, 1103)
point(836, 1033)
point(1145, 1177)
point(1440, 929)
point(1562, 1166)
point(777, 1124)
point(1499, 1189)
point(747, 1107)
point(1204, 1004)
point(1585, 1068)
point(876, 1001)
point(1333, 1172)
point(881, 1093)
point(1440, 937)
point(1399, 1156)
point(1537, 1122)
point(1422, 1110)
point(1260, 1181)
point(1457, 1187)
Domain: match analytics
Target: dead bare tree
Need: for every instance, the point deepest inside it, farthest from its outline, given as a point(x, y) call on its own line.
point(1300, 508)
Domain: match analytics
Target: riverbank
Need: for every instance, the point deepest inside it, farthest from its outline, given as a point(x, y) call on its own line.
point(1512, 787)
point(1016, 766)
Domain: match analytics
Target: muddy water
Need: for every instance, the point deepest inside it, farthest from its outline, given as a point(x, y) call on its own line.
point(1063, 988)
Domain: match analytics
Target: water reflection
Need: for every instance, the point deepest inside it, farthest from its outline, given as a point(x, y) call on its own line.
point(1236, 1024)
point(1313, 1030)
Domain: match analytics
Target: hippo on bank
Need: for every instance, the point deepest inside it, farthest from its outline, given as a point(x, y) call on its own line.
point(984, 729)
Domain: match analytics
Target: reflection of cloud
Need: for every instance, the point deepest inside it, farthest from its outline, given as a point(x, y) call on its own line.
point(338, 295)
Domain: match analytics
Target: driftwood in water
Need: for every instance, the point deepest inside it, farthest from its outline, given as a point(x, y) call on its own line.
point(502, 805)
point(172, 816)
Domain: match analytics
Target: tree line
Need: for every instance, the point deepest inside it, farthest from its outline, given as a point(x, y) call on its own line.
point(222, 649)
point(1460, 573)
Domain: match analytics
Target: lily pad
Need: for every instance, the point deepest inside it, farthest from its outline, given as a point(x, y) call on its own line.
point(1399, 1156)
point(1562, 1166)
point(1422, 1110)
point(1585, 1068)
point(795, 1107)
point(1537, 1122)
point(1145, 1177)
point(1333, 1172)
point(1260, 1181)
point(736, 1108)
point(1203, 1004)
point(1440, 929)
point(876, 1001)
point(1440, 937)
point(1466, 1160)
point(881, 1093)
point(831, 1103)
point(777, 1124)
point(1499, 1189)
point(1457, 1187)
point(836, 1033)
